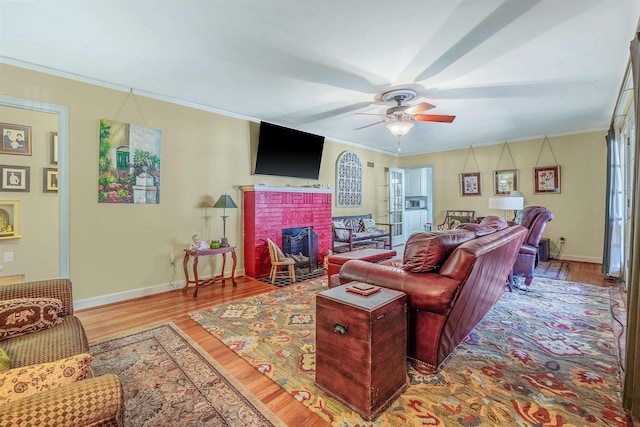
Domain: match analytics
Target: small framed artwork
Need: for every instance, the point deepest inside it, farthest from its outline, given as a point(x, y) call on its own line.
point(470, 184)
point(546, 180)
point(54, 148)
point(14, 178)
point(16, 139)
point(505, 181)
point(50, 180)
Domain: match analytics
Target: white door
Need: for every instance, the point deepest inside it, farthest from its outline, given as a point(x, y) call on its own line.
point(396, 205)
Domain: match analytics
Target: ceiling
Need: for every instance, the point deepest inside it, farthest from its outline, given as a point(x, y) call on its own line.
point(507, 69)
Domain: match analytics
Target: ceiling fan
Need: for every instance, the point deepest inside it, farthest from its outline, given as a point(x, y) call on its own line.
point(402, 115)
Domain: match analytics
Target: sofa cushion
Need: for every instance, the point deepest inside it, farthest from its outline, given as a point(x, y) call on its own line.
point(23, 315)
point(5, 362)
point(427, 250)
point(366, 224)
point(340, 234)
point(496, 222)
point(28, 380)
point(479, 229)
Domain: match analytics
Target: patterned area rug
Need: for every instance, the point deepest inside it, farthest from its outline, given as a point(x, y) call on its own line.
point(169, 380)
point(552, 270)
point(541, 358)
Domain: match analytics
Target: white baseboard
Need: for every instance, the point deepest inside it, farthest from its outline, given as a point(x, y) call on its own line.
point(136, 293)
point(592, 260)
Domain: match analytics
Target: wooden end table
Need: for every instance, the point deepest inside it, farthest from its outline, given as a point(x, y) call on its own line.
point(188, 253)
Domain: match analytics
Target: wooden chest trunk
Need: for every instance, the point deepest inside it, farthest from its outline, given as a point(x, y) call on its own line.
point(361, 347)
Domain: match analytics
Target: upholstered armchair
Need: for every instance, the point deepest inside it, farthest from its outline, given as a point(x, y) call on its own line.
point(534, 219)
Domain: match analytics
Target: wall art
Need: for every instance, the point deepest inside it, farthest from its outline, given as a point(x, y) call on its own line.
point(14, 178)
point(546, 180)
point(49, 180)
point(470, 184)
point(349, 180)
point(505, 181)
point(16, 139)
point(129, 163)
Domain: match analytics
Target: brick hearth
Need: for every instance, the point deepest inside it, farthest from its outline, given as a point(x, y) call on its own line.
point(267, 210)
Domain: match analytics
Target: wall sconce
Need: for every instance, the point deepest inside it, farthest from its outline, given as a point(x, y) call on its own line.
point(225, 201)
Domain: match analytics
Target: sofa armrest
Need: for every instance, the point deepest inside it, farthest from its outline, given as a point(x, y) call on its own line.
point(425, 291)
point(94, 401)
point(52, 288)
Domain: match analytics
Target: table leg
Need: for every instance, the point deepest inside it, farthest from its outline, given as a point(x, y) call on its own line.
point(195, 275)
point(224, 261)
point(186, 271)
point(233, 267)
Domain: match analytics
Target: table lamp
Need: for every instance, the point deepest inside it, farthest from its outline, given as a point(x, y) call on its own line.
point(225, 201)
point(506, 204)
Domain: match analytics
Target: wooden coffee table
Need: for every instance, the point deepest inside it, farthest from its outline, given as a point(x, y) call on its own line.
point(361, 347)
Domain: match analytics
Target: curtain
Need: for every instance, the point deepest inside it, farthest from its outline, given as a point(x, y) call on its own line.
point(613, 255)
point(631, 393)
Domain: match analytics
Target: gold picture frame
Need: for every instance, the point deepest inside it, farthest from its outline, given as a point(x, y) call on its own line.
point(50, 180)
point(505, 181)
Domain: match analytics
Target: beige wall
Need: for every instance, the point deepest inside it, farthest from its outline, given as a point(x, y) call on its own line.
point(579, 208)
point(115, 249)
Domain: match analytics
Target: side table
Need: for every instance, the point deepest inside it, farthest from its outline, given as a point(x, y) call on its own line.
point(361, 347)
point(207, 252)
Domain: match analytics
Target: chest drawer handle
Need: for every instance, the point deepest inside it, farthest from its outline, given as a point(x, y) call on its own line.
point(340, 329)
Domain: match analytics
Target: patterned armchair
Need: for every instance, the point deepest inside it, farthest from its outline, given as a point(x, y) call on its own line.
point(453, 218)
point(535, 219)
point(89, 400)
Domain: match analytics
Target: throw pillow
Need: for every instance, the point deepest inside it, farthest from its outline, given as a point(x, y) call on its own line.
point(340, 234)
point(28, 380)
point(23, 315)
point(5, 362)
point(366, 224)
point(428, 250)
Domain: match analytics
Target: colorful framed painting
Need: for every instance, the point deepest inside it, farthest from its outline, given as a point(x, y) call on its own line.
point(470, 184)
point(505, 181)
point(546, 180)
point(16, 139)
point(14, 178)
point(49, 180)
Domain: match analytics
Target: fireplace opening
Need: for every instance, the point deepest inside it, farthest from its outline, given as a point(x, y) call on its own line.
point(301, 244)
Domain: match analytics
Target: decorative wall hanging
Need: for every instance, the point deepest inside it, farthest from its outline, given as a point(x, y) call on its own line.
point(546, 179)
point(14, 178)
point(54, 148)
point(506, 180)
point(10, 219)
point(49, 180)
point(16, 139)
point(349, 180)
point(129, 163)
point(470, 182)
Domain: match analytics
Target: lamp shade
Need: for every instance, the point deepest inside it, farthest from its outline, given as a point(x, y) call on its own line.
point(225, 201)
point(506, 203)
point(399, 128)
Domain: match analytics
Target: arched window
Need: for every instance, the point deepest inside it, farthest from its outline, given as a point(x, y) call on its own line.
point(349, 180)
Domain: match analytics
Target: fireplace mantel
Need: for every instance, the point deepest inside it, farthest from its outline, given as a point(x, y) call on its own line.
point(286, 189)
point(267, 210)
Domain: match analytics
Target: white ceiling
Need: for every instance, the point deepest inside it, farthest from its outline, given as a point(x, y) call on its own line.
point(507, 69)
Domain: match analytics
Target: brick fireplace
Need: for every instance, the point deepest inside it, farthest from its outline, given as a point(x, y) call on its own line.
point(269, 210)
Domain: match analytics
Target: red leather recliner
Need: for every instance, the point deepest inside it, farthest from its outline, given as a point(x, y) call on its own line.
point(534, 219)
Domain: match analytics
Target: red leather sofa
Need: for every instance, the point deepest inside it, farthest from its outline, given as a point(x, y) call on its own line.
point(452, 278)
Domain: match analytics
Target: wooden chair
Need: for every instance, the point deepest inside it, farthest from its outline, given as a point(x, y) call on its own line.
point(453, 218)
point(279, 260)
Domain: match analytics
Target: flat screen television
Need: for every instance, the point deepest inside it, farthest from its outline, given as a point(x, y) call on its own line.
point(288, 152)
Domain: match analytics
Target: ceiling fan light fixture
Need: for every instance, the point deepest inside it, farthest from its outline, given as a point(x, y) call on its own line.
point(399, 128)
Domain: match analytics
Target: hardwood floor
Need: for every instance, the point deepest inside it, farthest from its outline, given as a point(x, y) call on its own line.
point(108, 320)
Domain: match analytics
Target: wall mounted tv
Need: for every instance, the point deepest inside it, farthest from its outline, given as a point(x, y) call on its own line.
point(288, 152)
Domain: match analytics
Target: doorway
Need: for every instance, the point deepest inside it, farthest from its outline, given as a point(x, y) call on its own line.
point(418, 204)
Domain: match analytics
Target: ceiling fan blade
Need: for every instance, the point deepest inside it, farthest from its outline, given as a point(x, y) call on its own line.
point(372, 114)
point(419, 108)
point(366, 126)
point(433, 118)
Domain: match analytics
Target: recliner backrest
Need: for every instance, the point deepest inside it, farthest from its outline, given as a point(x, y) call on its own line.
point(535, 219)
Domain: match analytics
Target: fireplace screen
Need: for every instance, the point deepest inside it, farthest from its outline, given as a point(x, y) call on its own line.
point(301, 244)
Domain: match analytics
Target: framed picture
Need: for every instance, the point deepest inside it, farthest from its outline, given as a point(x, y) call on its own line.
point(546, 180)
point(14, 178)
point(54, 148)
point(505, 181)
point(50, 180)
point(470, 184)
point(16, 139)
